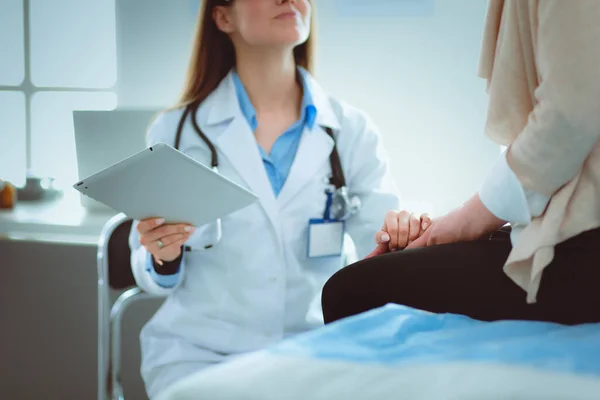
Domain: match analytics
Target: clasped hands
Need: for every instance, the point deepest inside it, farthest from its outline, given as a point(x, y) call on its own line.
point(405, 230)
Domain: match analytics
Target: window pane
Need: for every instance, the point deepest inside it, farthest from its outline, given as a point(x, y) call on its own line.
point(12, 70)
point(12, 137)
point(73, 43)
point(52, 138)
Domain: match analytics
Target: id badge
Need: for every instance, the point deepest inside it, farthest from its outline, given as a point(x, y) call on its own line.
point(325, 238)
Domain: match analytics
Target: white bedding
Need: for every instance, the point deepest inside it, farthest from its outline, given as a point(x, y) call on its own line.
point(401, 353)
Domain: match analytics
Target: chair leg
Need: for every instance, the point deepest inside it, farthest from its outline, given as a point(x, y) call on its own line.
point(103, 343)
point(116, 316)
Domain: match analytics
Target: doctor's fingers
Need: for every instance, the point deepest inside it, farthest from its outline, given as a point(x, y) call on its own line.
point(150, 242)
point(396, 224)
point(390, 225)
point(170, 252)
point(425, 222)
point(148, 224)
point(414, 227)
point(156, 246)
point(165, 230)
point(403, 229)
point(382, 237)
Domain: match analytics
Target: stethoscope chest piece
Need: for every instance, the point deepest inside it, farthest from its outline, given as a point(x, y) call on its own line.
point(343, 206)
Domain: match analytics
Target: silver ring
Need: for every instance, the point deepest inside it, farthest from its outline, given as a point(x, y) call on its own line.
point(160, 244)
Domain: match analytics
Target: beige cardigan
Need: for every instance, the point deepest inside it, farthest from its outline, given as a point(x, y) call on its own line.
point(542, 62)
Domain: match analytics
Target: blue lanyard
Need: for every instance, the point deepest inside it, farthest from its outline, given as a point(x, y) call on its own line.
point(328, 205)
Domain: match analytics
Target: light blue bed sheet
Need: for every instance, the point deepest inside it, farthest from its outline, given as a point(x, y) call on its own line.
point(401, 335)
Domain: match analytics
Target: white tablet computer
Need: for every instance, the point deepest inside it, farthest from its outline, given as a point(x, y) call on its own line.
point(163, 182)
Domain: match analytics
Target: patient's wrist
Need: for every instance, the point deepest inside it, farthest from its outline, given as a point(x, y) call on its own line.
point(481, 220)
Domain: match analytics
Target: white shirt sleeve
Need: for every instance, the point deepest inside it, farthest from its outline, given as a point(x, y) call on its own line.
point(505, 197)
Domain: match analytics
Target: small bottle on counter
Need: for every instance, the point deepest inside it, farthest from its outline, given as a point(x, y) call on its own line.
point(8, 194)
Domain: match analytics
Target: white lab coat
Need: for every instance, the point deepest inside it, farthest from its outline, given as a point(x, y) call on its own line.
point(257, 286)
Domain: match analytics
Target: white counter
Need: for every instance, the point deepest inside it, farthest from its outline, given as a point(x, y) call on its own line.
point(61, 220)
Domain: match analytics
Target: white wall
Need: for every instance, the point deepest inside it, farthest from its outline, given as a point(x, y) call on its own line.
point(153, 44)
point(415, 76)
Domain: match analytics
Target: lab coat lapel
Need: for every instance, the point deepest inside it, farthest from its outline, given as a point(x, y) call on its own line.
point(315, 146)
point(313, 151)
point(238, 145)
point(222, 121)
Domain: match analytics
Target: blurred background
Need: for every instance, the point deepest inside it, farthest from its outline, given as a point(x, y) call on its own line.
point(410, 64)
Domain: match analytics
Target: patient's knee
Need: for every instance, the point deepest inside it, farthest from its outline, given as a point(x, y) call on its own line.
point(333, 297)
point(342, 292)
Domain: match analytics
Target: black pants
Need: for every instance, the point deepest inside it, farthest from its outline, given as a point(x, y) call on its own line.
point(467, 278)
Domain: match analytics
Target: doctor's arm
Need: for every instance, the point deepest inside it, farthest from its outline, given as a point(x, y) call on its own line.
point(150, 275)
point(366, 165)
point(161, 272)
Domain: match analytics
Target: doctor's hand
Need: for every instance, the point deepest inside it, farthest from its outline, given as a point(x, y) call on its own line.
point(399, 230)
point(162, 240)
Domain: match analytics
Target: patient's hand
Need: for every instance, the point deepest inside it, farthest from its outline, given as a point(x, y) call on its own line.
point(400, 229)
point(469, 222)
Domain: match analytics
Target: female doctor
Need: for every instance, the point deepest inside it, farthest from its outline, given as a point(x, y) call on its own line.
point(251, 109)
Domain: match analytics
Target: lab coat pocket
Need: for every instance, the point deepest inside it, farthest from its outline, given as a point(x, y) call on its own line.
point(205, 237)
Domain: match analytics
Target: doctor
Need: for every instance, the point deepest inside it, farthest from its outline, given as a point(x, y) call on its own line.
point(251, 109)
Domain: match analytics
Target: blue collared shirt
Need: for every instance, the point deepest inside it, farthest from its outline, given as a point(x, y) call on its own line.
point(277, 164)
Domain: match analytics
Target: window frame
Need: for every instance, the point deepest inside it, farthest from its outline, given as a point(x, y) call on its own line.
point(29, 89)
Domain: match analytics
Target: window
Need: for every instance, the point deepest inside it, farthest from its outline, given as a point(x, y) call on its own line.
point(12, 69)
point(60, 57)
point(52, 130)
point(12, 136)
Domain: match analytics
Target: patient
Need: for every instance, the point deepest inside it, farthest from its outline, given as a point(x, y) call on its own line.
point(541, 61)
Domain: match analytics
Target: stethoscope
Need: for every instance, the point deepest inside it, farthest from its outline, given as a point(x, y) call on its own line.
point(340, 205)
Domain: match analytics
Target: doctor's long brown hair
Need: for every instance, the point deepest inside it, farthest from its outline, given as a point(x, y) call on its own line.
point(213, 56)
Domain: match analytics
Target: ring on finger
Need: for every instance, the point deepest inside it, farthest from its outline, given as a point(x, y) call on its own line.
point(160, 244)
